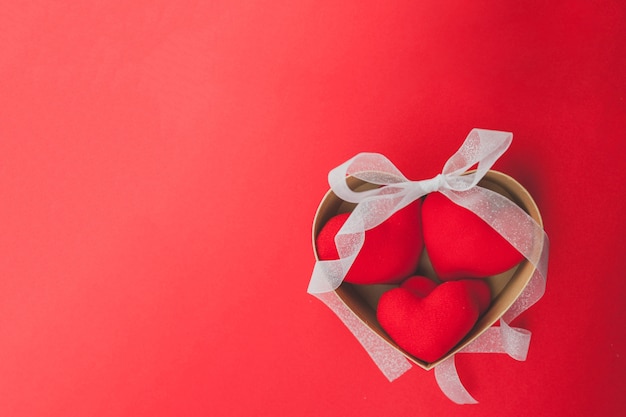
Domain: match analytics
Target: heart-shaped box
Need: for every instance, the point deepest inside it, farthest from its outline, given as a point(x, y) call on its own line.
point(506, 287)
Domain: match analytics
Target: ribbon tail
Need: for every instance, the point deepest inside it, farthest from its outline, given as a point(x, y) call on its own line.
point(497, 339)
point(450, 383)
point(514, 341)
point(390, 362)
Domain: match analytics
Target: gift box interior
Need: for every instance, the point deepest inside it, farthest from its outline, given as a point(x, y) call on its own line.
point(505, 288)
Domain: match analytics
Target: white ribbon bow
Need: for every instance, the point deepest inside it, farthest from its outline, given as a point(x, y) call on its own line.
point(481, 149)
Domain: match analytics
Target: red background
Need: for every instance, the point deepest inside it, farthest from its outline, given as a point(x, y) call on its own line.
point(161, 162)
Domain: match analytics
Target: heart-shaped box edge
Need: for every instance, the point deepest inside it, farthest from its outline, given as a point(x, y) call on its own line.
point(352, 295)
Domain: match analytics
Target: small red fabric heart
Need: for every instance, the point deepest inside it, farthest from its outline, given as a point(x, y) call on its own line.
point(460, 244)
point(391, 250)
point(431, 326)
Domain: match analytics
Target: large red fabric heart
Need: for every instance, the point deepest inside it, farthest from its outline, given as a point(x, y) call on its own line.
point(391, 250)
point(429, 326)
point(460, 244)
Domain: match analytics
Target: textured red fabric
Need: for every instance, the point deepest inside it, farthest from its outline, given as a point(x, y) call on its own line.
point(428, 327)
point(479, 290)
point(460, 244)
point(419, 285)
point(391, 250)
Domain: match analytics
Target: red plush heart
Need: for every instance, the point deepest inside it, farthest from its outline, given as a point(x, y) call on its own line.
point(431, 326)
point(460, 244)
point(391, 250)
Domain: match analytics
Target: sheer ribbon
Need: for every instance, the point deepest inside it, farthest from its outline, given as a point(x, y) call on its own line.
point(481, 149)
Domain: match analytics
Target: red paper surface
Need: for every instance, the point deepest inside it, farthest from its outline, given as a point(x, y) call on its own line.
point(161, 163)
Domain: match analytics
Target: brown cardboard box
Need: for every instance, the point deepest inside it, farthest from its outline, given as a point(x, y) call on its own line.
point(506, 287)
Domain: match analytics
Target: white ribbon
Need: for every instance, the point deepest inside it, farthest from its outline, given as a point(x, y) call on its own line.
point(481, 149)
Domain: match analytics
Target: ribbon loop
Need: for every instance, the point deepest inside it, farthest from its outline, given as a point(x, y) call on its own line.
point(482, 147)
